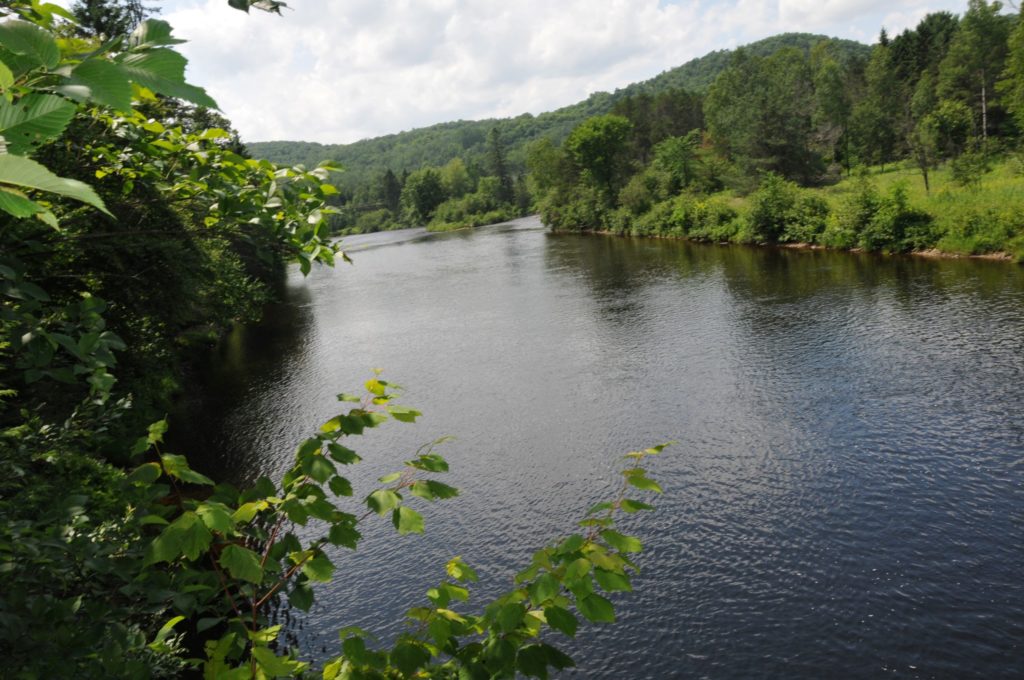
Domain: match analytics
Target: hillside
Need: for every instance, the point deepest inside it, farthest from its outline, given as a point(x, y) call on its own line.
point(437, 144)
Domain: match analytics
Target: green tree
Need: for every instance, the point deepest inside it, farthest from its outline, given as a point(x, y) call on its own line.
point(597, 147)
point(455, 178)
point(1012, 84)
point(976, 59)
point(879, 119)
point(422, 193)
point(497, 164)
point(677, 156)
point(832, 102)
point(391, 191)
point(759, 113)
point(108, 19)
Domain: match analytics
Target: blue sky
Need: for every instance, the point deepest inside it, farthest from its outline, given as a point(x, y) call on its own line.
point(336, 72)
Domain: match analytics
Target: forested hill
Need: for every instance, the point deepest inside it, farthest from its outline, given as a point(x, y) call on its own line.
point(437, 144)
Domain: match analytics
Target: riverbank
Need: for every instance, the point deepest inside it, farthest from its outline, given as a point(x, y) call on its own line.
point(885, 211)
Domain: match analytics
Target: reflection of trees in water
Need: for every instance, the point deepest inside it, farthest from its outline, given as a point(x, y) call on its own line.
point(259, 353)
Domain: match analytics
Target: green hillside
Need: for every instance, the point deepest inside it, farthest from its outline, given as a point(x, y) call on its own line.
point(437, 144)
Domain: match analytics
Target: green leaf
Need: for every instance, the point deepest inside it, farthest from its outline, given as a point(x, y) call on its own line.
point(612, 582)
point(430, 462)
point(409, 656)
point(342, 455)
point(393, 477)
point(187, 536)
point(246, 512)
point(216, 516)
point(571, 544)
point(101, 82)
point(318, 467)
point(403, 414)
point(33, 120)
point(178, 467)
point(333, 668)
point(577, 570)
point(24, 172)
point(21, 37)
point(432, 491)
point(341, 486)
point(632, 506)
point(383, 500)
point(16, 204)
point(407, 520)
point(459, 570)
point(276, 666)
point(319, 569)
point(145, 474)
point(596, 609)
point(242, 563)
point(6, 76)
point(639, 480)
point(344, 535)
point(561, 620)
point(165, 632)
point(600, 507)
point(509, 617)
point(301, 597)
point(543, 589)
point(163, 72)
point(621, 542)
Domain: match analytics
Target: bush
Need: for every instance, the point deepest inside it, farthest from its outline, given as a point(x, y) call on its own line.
point(772, 207)
point(581, 208)
point(378, 220)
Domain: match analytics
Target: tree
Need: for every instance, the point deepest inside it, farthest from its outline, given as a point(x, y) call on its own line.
point(455, 178)
point(1012, 84)
point(879, 118)
point(832, 103)
point(106, 569)
point(677, 156)
point(976, 59)
point(498, 165)
point(108, 19)
point(391, 191)
point(759, 113)
point(596, 146)
point(422, 193)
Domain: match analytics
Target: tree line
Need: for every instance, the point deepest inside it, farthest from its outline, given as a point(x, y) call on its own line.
point(453, 196)
point(947, 94)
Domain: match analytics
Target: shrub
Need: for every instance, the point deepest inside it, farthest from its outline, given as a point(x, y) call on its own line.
point(772, 207)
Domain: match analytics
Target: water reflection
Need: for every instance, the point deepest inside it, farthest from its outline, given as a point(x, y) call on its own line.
point(844, 499)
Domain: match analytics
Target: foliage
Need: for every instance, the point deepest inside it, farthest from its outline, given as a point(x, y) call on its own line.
point(781, 123)
point(597, 146)
point(158, 571)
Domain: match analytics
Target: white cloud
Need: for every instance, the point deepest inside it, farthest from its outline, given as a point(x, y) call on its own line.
point(338, 71)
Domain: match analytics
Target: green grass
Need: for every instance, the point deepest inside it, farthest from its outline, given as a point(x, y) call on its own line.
point(981, 219)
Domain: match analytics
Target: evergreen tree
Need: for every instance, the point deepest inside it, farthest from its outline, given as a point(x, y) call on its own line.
point(498, 165)
point(390, 191)
point(879, 117)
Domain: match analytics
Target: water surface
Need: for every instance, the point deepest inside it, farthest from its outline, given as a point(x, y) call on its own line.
point(845, 499)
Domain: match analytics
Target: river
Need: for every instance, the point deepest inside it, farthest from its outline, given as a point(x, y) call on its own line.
point(846, 497)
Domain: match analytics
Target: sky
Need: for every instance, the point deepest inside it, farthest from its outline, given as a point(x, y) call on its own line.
point(336, 71)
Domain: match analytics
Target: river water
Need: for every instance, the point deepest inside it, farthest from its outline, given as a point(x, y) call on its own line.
point(846, 497)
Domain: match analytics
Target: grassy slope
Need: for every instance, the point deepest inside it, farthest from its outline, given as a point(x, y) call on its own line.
point(973, 219)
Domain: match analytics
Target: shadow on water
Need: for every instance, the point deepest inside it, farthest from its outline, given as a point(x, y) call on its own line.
point(250, 359)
